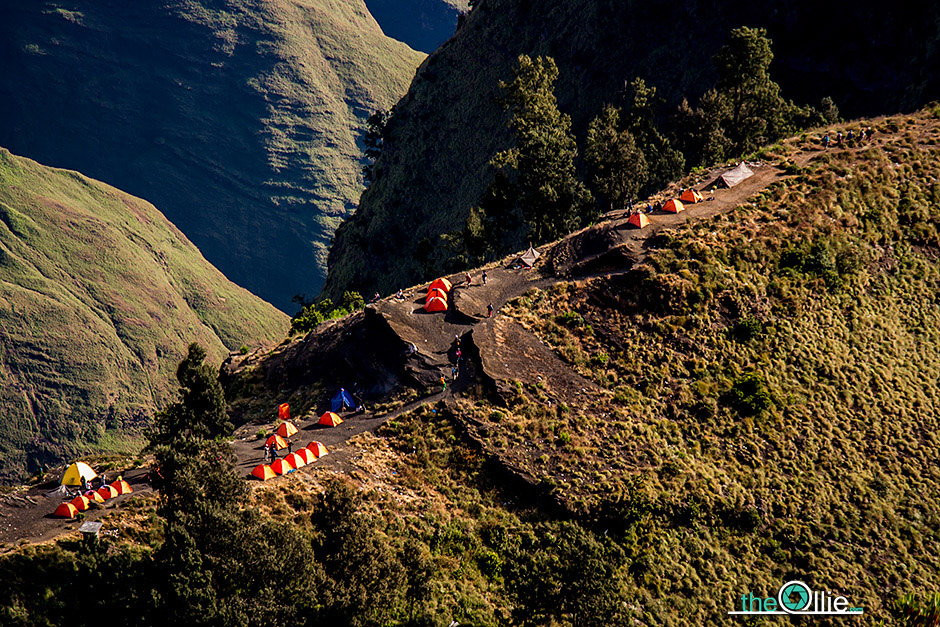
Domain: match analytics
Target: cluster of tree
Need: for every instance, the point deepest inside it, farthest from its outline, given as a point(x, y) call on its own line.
point(537, 195)
point(216, 559)
point(314, 312)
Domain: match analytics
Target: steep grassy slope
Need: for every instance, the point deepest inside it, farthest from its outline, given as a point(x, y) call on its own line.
point(240, 120)
point(755, 402)
point(422, 24)
point(99, 297)
point(449, 125)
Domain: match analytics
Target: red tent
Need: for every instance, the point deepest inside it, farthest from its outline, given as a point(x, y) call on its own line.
point(691, 197)
point(286, 429)
point(639, 220)
point(91, 495)
point(281, 467)
point(440, 284)
point(80, 502)
point(307, 455)
point(276, 441)
point(435, 305)
point(673, 206)
point(318, 448)
point(263, 472)
point(65, 510)
point(108, 492)
point(330, 419)
point(283, 411)
point(295, 460)
point(435, 293)
point(123, 487)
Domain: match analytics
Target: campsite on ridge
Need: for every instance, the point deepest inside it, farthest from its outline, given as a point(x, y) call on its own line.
point(634, 323)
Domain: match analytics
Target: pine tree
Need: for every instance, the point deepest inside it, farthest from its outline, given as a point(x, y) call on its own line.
point(200, 412)
point(664, 163)
point(537, 182)
point(618, 166)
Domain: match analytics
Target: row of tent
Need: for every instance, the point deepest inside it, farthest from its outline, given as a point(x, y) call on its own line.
point(83, 501)
point(289, 463)
point(727, 179)
point(436, 298)
point(674, 205)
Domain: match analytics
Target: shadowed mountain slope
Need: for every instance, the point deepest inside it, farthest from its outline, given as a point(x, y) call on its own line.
point(240, 120)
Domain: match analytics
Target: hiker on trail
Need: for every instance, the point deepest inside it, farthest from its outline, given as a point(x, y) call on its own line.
point(290, 447)
point(375, 298)
point(469, 279)
point(826, 141)
point(459, 354)
point(443, 384)
point(850, 137)
point(484, 277)
point(839, 139)
point(267, 452)
point(400, 295)
point(453, 372)
point(489, 311)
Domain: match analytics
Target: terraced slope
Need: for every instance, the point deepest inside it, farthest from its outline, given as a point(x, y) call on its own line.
point(99, 297)
point(242, 121)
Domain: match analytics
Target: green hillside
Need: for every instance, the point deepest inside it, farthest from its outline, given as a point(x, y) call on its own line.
point(433, 167)
point(99, 296)
point(241, 120)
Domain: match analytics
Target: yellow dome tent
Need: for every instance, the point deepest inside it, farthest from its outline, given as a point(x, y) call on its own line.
point(74, 474)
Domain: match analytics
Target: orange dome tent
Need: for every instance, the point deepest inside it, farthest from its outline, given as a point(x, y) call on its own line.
point(80, 502)
point(330, 419)
point(263, 472)
point(436, 293)
point(92, 495)
point(295, 460)
point(276, 441)
point(306, 455)
point(440, 284)
point(283, 411)
point(673, 206)
point(281, 466)
point(318, 448)
point(123, 487)
point(639, 220)
point(435, 305)
point(286, 429)
point(65, 510)
point(108, 492)
point(691, 196)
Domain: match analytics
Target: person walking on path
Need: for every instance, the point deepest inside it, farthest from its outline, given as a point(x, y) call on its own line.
point(468, 278)
point(290, 447)
point(484, 277)
point(489, 311)
point(825, 141)
point(443, 384)
point(267, 453)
